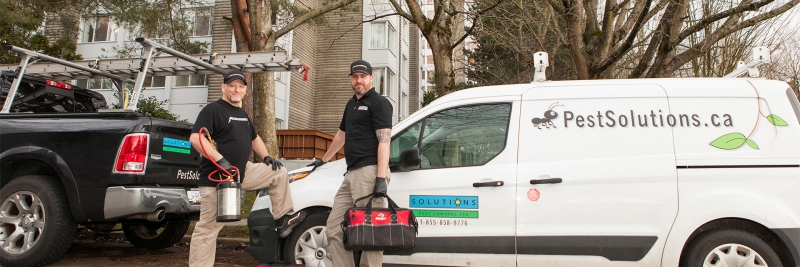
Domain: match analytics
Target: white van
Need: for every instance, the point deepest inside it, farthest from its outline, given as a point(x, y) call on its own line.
point(646, 172)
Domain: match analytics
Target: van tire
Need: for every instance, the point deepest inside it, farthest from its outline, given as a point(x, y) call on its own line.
point(313, 225)
point(146, 235)
point(721, 241)
point(58, 230)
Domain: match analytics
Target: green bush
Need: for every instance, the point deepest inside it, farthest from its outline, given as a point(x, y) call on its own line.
point(153, 108)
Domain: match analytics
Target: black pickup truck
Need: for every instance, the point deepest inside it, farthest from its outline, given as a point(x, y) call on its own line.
point(67, 160)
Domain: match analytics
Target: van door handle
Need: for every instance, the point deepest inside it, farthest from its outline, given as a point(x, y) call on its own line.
point(488, 184)
point(546, 181)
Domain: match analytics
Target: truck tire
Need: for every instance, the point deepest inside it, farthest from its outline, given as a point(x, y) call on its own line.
point(732, 247)
point(34, 210)
point(155, 235)
point(307, 244)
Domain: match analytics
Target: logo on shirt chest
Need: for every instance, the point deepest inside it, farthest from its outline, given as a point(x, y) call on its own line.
point(363, 108)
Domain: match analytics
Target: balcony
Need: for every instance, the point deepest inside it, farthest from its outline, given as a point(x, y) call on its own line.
point(305, 144)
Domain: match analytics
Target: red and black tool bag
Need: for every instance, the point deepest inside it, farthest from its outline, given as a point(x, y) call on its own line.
point(368, 228)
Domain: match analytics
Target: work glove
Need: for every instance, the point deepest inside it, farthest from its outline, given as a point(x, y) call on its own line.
point(275, 163)
point(316, 163)
point(226, 166)
point(380, 187)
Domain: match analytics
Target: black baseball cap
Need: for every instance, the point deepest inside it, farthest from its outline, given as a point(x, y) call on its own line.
point(361, 66)
point(234, 75)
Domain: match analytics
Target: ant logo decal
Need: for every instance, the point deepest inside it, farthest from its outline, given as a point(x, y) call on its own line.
point(549, 115)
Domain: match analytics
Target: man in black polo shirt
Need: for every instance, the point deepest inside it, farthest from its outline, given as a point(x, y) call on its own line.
point(365, 132)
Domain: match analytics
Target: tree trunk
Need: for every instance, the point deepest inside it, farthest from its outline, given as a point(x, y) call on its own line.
point(263, 39)
point(443, 67)
point(240, 21)
point(264, 110)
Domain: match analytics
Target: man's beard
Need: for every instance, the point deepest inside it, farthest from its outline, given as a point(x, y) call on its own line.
point(235, 99)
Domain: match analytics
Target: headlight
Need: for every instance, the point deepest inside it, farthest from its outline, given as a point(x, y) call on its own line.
point(298, 175)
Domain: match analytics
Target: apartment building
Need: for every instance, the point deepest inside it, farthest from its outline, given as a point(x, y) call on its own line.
point(328, 48)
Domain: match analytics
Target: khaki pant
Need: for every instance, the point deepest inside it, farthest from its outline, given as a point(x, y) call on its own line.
point(357, 183)
point(203, 246)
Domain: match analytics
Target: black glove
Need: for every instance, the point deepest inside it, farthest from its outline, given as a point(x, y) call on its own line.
point(316, 163)
point(380, 187)
point(275, 163)
point(225, 165)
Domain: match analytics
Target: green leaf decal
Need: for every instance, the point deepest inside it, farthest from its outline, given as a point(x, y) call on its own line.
point(729, 141)
point(775, 120)
point(752, 144)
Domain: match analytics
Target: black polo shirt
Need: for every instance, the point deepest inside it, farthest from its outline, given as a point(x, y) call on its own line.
point(232, 130)
point(360, 120)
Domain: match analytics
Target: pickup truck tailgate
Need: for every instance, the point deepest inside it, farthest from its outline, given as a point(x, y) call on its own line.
point(172, 159)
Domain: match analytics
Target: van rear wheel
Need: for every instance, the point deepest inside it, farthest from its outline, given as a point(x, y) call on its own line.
point(729, 247)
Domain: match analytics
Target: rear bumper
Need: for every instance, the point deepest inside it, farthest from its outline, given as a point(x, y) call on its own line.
point(121, 201)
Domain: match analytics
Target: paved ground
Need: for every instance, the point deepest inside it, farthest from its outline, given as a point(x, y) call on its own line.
point(89, 250)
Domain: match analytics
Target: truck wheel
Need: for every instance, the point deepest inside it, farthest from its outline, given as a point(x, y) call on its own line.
point(155, 235)
point(36, 225)
point(307, 244)
point(729, 247)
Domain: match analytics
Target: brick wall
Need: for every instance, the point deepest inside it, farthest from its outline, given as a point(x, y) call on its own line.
point(302, 93)
point(413, 68)
point(62, 25)
point(222, 33)
point(338, 45)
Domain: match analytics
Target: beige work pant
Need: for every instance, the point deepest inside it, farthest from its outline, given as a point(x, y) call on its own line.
point(203, 247)
point(357, 183)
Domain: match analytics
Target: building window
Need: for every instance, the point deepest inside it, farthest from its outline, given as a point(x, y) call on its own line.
point(429, 60)
point(379, 80)
point(405, 67)
point(383, 81)
point(98, 29)
point(380, 35)
point(404, 104)
point(157, 81)
point(191, 80)
point(202, 21)
point(383, 36)
point(95, 84)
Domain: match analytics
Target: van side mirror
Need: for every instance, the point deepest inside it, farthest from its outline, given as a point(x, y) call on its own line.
point(409, 160)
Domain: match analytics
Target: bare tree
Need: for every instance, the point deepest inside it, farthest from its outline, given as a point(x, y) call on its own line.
point(442, 32)
point(257, 25)
point(602, 34)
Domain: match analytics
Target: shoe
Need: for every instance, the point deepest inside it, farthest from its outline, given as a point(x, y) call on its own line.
point(289, 221)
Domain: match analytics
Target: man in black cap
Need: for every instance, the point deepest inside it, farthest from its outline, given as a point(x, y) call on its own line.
point(235, 136)
point(365, 133)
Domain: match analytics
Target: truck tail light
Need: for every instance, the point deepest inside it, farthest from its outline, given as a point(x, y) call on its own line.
point(132, 156)
point(58, 85)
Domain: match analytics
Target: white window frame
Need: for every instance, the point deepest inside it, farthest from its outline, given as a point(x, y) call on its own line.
point(189, 82)
point(379, 35)
point(388, 80)
point(192, 13)
point(105, 84)
point(90, 24)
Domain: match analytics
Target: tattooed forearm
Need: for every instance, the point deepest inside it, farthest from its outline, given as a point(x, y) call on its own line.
point(383, 135)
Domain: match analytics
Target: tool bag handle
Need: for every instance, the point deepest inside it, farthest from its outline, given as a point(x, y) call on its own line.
point(368, 215)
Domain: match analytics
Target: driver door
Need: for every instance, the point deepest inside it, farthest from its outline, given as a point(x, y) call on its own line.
point(463, 195)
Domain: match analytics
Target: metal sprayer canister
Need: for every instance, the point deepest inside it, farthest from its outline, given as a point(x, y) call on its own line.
point(229, 202)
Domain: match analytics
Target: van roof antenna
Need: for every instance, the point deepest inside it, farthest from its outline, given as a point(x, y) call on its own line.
point(760, 56)
point(540, 63)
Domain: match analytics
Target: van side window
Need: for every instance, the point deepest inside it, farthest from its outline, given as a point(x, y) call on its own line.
point(463, 136)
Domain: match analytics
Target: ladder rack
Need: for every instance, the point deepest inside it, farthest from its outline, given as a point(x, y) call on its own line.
point(135, 70)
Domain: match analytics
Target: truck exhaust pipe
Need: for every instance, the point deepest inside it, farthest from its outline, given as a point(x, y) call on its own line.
point(155, 216)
